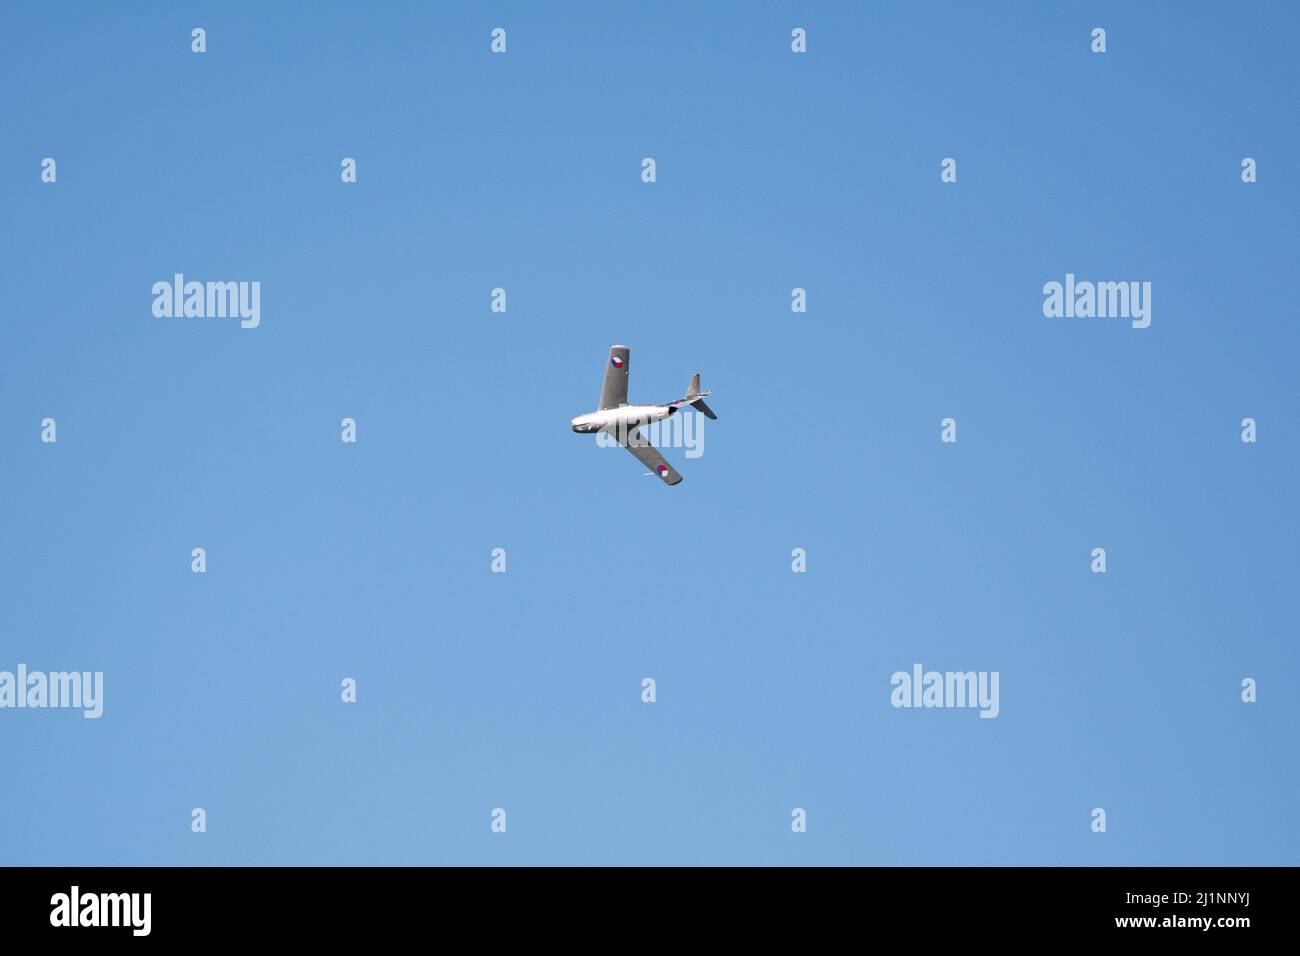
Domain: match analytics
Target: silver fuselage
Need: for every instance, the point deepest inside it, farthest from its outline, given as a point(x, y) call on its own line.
point(624, 418)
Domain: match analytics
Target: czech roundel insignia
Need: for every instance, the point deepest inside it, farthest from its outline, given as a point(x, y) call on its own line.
point(615, 361)
point(663, 470)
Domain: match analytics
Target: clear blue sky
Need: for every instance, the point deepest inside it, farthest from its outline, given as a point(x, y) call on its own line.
point(522, 690)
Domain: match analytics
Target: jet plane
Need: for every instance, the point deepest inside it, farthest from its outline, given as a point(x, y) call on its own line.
point(622, 421)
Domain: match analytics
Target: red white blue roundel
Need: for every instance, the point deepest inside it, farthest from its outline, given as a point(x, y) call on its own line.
point(663, 470)
point(616, 361)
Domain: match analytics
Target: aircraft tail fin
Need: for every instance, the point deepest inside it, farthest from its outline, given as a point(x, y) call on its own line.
point(695, 398)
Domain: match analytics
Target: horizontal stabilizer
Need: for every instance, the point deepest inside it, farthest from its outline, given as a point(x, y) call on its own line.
point(695, 397)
